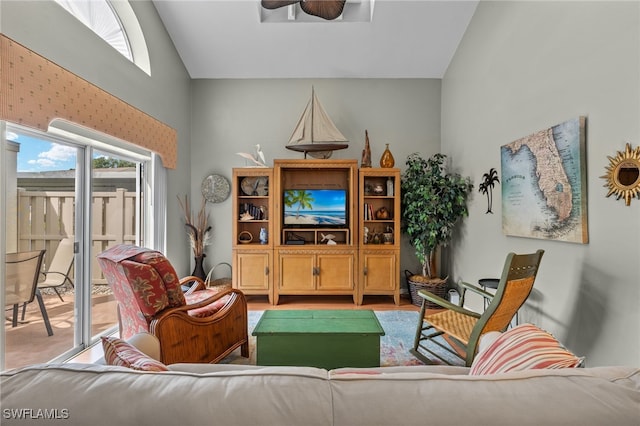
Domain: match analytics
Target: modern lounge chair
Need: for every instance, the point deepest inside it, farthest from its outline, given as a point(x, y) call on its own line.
point(21, 284)
point(463, 327)
point(200, 325)
point(59, 268)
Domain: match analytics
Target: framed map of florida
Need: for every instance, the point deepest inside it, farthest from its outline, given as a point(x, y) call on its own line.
point(544, 190)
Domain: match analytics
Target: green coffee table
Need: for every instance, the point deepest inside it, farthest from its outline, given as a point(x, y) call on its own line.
point(325, 339)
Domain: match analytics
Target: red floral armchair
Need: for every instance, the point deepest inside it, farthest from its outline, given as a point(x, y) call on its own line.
point(200, 325)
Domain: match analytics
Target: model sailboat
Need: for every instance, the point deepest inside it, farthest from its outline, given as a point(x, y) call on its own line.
point(315, 133)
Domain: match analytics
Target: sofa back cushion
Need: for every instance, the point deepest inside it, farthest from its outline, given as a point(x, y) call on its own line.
point(105, 395)
point(108, 395)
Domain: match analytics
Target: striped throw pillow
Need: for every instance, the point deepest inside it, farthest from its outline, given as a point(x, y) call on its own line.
point(523, 347)
point(118, 352)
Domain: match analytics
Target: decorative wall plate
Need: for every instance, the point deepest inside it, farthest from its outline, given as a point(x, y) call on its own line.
point(215, 188)
point(255, 185)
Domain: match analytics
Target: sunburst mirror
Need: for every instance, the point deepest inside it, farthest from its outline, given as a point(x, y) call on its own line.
point(623, 174)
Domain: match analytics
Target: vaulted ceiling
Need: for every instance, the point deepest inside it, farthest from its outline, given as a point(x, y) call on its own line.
point(373, 38)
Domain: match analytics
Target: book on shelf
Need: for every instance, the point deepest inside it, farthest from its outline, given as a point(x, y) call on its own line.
point(368, 211)
point(257, 212)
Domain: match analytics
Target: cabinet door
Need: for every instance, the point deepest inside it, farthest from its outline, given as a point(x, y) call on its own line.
point(379, 271)
point(335, 271)
point(253, 271)
point(297, 272)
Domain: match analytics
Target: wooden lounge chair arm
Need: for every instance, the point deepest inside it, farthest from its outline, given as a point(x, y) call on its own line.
point(200, 304)
point(446, 304)
point(467, 286)
point(215, 335)
point(199, 283)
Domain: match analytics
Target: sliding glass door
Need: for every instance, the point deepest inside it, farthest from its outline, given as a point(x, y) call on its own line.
point(117, 212)
point(73, 198)
point(41, 179)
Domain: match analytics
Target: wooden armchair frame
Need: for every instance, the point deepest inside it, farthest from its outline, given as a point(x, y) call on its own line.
point(215, 336)
point(136, 274)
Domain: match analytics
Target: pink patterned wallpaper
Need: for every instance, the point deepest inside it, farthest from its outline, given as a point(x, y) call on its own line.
point(34, 91)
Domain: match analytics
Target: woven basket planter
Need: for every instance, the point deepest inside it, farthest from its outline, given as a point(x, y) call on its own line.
point(437, 286)
point(219, 284)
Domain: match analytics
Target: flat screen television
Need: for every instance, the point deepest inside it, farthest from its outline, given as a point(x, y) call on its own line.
point(315, 208)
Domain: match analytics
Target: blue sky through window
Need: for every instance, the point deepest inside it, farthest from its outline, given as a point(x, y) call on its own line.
point(37, 155)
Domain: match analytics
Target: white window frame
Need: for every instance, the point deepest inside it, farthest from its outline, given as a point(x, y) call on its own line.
point(136, 45)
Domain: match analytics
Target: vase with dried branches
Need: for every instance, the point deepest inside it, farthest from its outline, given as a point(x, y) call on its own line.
point(199, 233)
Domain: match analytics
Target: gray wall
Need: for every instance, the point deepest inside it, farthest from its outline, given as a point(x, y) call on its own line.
point(50, 31)
point(231, 116)
point(523, 67)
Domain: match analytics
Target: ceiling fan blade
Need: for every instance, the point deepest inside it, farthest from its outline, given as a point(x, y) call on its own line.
point(274, 4)
point(326, 9)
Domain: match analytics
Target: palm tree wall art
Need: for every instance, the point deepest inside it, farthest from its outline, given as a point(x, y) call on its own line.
point(489, 180)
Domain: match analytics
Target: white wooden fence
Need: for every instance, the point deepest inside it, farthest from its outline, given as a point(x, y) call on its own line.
point(46, 217)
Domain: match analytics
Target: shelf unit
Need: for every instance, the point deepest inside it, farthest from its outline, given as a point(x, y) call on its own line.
point(253, 212)
point(379, 232)
point(306, 260)
point(358, 259)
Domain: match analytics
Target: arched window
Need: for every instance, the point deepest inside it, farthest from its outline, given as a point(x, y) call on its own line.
point(116, 24)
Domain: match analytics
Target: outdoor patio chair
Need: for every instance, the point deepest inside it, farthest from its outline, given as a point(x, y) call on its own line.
point(59, 268)
point(463, 327)
point(201, 325)
point(21, 284)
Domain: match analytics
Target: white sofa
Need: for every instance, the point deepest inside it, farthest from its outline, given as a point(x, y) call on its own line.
point(205, 394)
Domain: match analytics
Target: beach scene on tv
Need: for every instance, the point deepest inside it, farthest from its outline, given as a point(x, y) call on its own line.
point(315, 207)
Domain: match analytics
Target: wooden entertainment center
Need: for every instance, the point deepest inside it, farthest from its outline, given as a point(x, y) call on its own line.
point(354, 251)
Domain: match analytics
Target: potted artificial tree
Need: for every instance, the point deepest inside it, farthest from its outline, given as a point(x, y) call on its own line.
point(433, 201)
